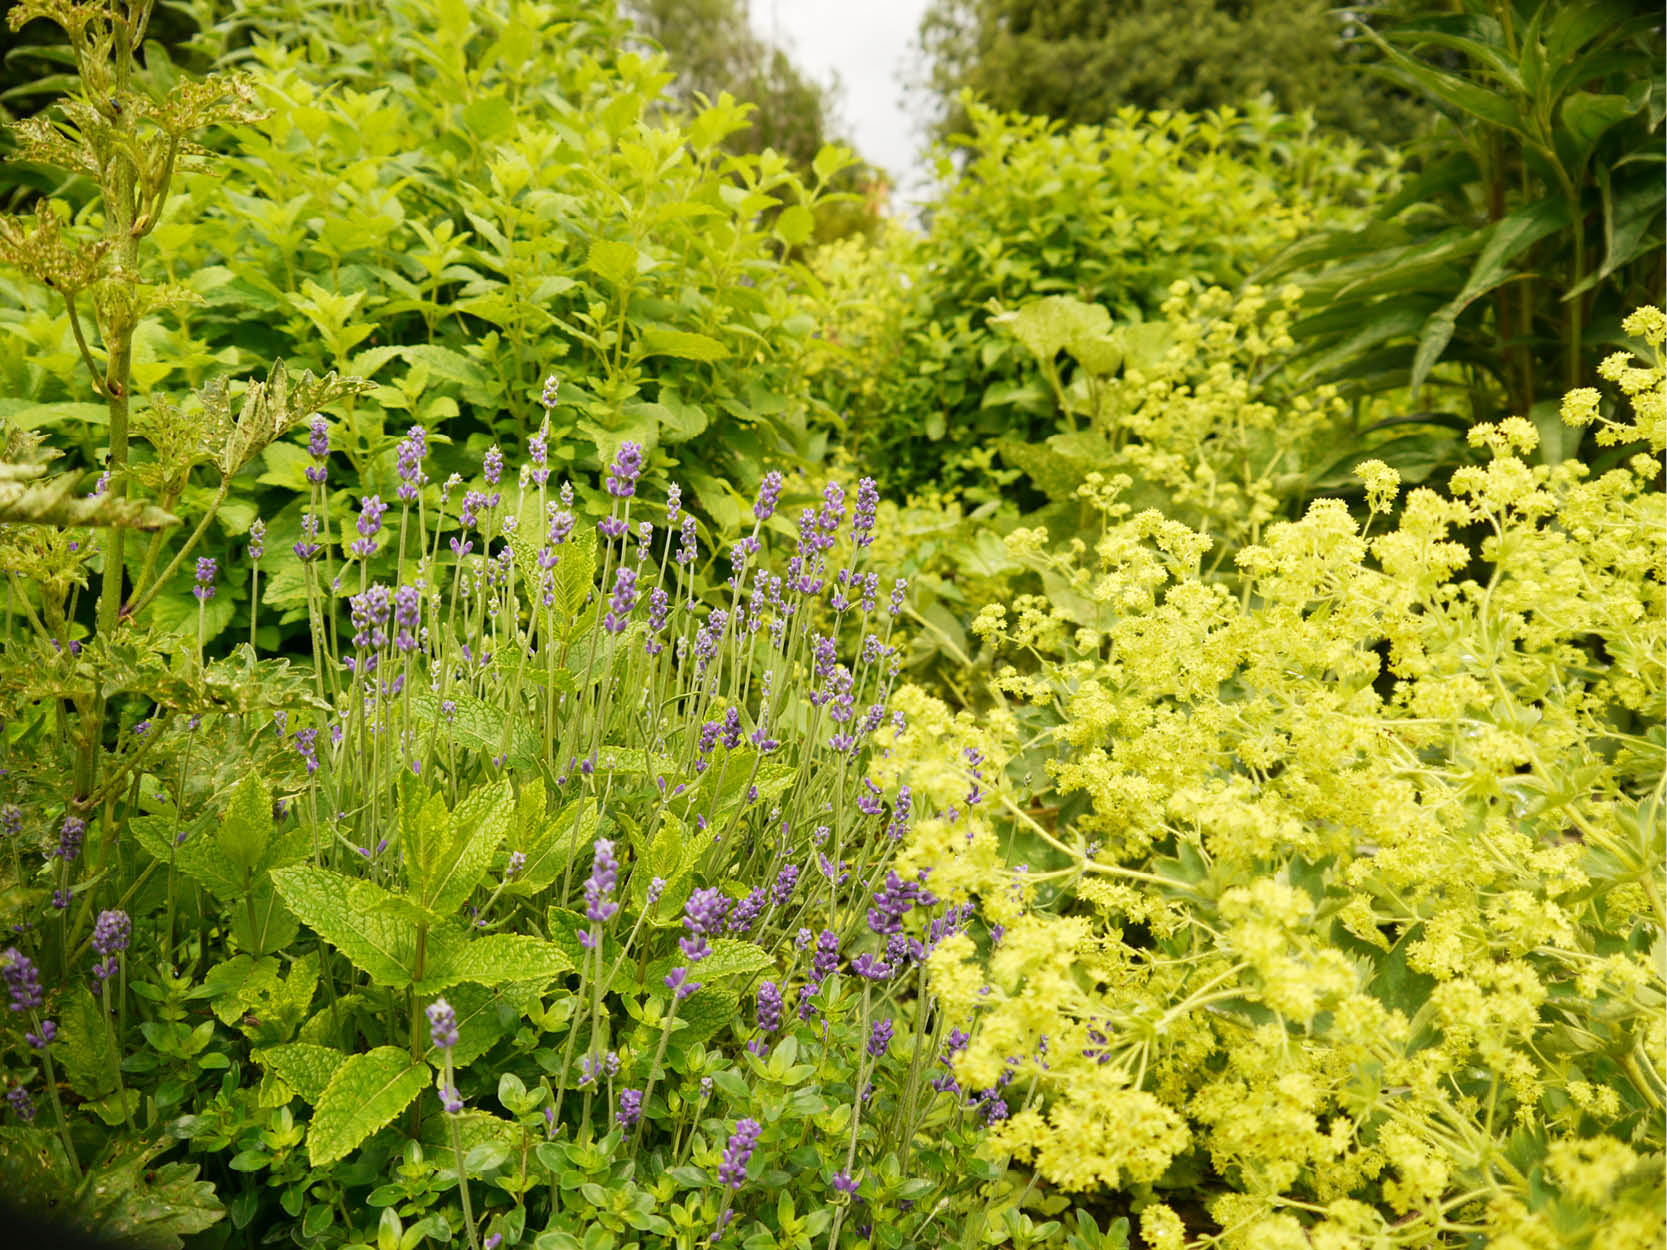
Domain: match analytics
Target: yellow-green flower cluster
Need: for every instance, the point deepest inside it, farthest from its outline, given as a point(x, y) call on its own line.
point(1345, 887)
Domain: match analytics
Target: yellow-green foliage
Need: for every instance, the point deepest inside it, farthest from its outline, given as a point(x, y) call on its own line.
point(1110, 214)
point(1183, 407)
point(1347, 887)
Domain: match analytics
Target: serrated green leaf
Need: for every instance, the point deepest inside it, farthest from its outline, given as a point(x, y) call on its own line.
point(305, 1068)
point(550, 846)
point(498, 959)
point(245, 829)
point(375, 941)
point(614, 260)
point(365, 1093)
point(85, 1046)
point(478, 725)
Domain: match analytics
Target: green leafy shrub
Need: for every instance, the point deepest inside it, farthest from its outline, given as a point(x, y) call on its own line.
point(1110, 215)
point(481, 193)
point(1531, 221)
point(1334, 905)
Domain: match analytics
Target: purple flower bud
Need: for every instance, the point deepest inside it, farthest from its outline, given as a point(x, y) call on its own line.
point(733, 1170)
point(204, 589)
point(517, 862)
point(442, 1024)
point(769, 492)
point(257, 539)
point(630, 1108)
point(879, 1038)
point(769, 1006)
point(686, 542)
point(552, 384)
point(492, 465)
point(623, 473)
point(450, 1100)
point(22, 979)
point(306, 549)
point(843, 1182)
point(70, 835)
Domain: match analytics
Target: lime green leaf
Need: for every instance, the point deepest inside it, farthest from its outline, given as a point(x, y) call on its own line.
point(366, 1092)
point(303, 1067)
point(84, 1045)
point(245, 830)
point(379, 943)
point(1049, 325)
point(795, 224)
point(550, 846)
point(613, 260)
point(683, 344)
point(495, 960)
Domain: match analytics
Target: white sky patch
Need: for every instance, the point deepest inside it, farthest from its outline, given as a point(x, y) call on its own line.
point(867, 44)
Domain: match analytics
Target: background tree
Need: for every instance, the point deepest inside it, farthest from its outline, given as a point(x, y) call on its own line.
point(713, 48)
point(1082, 60)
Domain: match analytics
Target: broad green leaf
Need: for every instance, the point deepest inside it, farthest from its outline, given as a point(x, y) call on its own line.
point(305, 1068)
point(365, 1093)
point(84, 1046)
point(795, 224)
point(683, 344)
point(613, 260)
point(1055, 323)
point(375, 941)
point(245, 830)
point(498, 959)
point(481, 820)
point(550, 845)
point(478, 725)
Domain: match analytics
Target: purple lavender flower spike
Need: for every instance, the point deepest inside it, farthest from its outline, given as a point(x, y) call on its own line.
point(22, 1105)
point(318, 447)
point(110, 936)
point(624, 471)
point(879, 1038)
point(70, 835)
point(204, 589)
point(769, 493)
point(630, 1108)
point(257, 539)
point(369, 525)
point(442, 1024)
point(623, 599)
point(408, 462)
point(868, 503)
point(599, 905)
point(733, 1170)
point(769, 1006)
point(22, 979)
